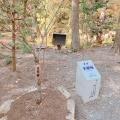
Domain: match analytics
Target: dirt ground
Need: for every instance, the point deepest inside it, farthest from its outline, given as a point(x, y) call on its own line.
point(52, 107)
point(60, 70)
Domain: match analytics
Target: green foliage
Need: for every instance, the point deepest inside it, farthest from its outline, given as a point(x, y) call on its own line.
point(109, 23)
point(85, 46)
point(12, 43)
point(89, 8)
point(87, 20)
point(0, 34)
point(97, 5)
point(62, 21)
point(24, 31)
point(25, 49)
point(18, 45)
point(36, 22)
point(2, 47)
point(8, 61)
point(86, 10)
point(1, 56)
point(16, 9)
point(74, 49)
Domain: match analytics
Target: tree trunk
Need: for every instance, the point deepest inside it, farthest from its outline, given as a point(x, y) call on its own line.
point(119, 20)
point(13, 40)
point(25, 8)
point(75, 25)
point(117, 42)
point(99, 38)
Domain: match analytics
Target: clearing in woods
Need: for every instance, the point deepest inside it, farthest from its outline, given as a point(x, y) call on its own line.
point(60, 70)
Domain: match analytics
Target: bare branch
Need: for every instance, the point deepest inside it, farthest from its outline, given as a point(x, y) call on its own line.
point(6, 46)
point(18, 18)
point(45, 33)
point(16, 34)
point(46, 30)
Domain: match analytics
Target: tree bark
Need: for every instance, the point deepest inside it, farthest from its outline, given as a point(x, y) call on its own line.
point(25, 8)
point(13, 40)
point(119, 20)
point(75, 25)
point(116, 45)
point(99, 38)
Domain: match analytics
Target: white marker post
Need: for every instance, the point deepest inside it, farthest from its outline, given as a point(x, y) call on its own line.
point(87, 80)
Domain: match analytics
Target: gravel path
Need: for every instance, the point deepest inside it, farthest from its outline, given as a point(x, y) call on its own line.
point(60, 70)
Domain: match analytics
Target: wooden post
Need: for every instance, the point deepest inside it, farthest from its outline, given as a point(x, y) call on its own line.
point(38, 79)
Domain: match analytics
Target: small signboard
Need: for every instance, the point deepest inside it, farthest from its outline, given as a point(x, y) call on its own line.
point(87, 80)
point(59, 39)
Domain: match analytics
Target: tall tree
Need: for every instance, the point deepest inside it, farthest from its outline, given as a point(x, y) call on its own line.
point(116, 45)
point(75, 25)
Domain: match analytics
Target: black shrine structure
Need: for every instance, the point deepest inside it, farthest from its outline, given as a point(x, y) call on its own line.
point(59, 39)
